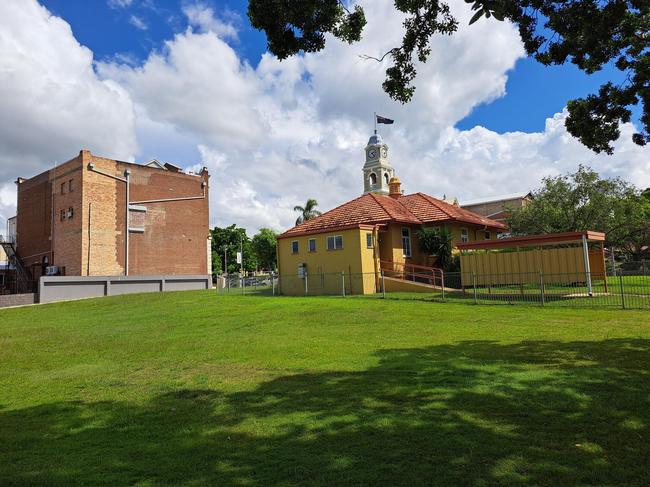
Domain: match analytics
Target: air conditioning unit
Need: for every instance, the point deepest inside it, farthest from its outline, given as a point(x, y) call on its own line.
point(52, 270)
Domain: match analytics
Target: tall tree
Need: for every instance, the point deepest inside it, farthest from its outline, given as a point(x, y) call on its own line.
point(264, 245)
point(583, 201)
point(307, 212)
point(231, 239)
point(587, 33)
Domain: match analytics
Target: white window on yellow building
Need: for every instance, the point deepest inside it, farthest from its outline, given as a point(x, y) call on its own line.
point(335, 242)
point(464, 235)
point(369, 240)
point(406, 242)
point(294, 246)
point(312, 245)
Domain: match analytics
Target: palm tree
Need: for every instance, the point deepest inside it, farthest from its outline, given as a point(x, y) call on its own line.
point(307, 212)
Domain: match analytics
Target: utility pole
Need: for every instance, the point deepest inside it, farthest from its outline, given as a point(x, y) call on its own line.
point(241, 261)
point(225, 265)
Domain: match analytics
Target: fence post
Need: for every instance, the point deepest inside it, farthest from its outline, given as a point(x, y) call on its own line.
point(442, 280)
point(541, 287)
point(273, 283)
point(383, 286)
point(474, 284)
point(243, 285)
point(306, 287)
point(620, 283)
point(343, 283)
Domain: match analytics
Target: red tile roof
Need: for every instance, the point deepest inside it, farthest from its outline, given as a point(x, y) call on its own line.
point(373, 209)
point(430, 209)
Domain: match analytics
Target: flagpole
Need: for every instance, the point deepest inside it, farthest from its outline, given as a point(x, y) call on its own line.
point(375, 115)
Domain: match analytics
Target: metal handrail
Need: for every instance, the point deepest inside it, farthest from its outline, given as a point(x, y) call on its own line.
point(436, 276)
point(24, 281)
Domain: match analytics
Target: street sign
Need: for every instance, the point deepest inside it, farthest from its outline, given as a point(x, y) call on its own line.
point(239, 257)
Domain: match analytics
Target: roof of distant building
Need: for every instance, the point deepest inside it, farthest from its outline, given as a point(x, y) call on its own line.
point(493, 199)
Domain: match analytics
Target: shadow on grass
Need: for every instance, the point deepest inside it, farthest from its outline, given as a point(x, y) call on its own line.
point(474, 413)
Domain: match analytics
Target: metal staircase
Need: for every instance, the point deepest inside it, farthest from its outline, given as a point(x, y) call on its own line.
point(24, 280)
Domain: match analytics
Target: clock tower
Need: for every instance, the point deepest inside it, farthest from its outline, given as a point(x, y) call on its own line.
point(377, 171)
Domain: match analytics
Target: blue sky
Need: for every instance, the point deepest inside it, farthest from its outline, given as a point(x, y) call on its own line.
point(534, 92)
point(190, 82)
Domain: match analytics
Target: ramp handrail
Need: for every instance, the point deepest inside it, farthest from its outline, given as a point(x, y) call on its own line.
point(413, 272)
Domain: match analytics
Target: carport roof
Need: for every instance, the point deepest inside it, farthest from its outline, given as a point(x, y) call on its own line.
point(534, 240)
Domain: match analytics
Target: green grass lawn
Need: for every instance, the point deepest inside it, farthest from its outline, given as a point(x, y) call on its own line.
point(198, 389)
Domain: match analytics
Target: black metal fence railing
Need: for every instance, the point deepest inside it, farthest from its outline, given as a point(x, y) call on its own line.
point(619, 289)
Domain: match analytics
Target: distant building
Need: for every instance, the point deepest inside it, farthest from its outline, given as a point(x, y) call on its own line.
point(73, 219)
point(497, 207)
point(376, 231)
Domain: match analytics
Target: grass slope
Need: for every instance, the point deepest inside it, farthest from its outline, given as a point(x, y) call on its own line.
point(195, 389)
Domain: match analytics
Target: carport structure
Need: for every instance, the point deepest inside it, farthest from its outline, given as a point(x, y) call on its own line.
point(568, 258)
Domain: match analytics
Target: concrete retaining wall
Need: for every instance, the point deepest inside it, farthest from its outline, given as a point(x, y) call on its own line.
point(65, 288)
point(16, 299)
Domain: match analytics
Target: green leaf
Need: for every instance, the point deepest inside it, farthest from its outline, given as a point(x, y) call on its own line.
point(476, 16)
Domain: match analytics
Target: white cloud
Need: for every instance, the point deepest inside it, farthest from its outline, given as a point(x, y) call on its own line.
point(203, 19)
point(198, 85)
point(138, 23)
point(278, 133)
point(119, 3)
point(52, 102)
point(296, 129)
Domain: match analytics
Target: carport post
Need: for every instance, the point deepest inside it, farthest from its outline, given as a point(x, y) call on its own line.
point(442, 278)
point(585, 256)
point(306, 288)
point(383, 286)
point(273, 283)
point(343, 283)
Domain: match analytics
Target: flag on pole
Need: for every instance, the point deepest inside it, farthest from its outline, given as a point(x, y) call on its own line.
point(385, 120)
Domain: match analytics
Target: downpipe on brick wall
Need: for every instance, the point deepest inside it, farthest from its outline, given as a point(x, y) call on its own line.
point(125, 180)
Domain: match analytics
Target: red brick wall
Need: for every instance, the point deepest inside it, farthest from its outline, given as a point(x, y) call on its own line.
point(103, 205)
point(92, 241)
point(34, 219)
point(176, 232)
point(67, 232)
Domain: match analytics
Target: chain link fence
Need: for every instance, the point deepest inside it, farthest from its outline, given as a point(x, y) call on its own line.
point(626, 287)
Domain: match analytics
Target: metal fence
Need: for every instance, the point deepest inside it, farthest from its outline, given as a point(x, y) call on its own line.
point(627, 287)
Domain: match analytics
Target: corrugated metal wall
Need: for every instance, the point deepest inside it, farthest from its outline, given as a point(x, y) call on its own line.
point(561, 265)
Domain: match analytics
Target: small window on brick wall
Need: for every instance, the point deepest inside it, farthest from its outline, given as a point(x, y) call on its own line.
point(62, 188)
point(70, 213)
point(62, 215)
point(70, 185)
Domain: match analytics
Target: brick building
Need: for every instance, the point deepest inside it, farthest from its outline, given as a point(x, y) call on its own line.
point(498, 207)
point(74, 217)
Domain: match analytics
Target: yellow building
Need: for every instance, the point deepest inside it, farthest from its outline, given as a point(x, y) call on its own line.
point(344, 249)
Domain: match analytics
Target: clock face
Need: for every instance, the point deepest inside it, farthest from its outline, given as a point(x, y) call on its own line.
point(372, 153)
point(384, 152)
